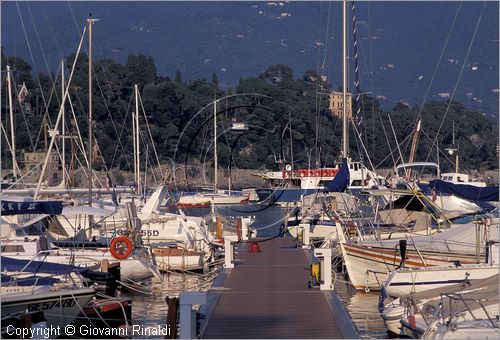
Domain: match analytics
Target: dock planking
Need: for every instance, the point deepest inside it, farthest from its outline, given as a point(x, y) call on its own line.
point(266, 295)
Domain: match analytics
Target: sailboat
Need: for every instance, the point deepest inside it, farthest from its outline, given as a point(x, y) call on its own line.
point(291, 185)
point(217, 196)
point(368, 263)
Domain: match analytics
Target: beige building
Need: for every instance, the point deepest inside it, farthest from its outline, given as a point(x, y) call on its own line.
point(336, 107)
point(33, 163)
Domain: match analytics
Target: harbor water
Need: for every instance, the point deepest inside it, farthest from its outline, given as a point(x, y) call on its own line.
point(150, 310)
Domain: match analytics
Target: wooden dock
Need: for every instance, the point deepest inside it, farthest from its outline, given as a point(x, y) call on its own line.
point(266, 295)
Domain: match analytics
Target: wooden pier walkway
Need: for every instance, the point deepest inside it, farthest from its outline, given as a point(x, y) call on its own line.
point(266, 295)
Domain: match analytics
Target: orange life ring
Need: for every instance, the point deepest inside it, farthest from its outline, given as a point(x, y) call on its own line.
point(121, 247)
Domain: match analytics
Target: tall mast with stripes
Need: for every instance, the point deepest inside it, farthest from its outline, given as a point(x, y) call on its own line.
point(358, 118)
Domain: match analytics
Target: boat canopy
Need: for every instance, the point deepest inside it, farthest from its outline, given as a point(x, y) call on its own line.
point(423, 166)
point(469, 192)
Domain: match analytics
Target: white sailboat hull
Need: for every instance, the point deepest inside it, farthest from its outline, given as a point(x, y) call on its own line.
point(60, 308)
point(178, 259)
point(405, 281)
point(130, 269)
point(369, 266)
point(207, 199)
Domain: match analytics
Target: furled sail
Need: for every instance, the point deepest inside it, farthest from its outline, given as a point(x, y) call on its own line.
point(341, 180)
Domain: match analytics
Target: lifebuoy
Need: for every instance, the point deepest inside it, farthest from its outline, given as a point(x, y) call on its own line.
point(121, 247)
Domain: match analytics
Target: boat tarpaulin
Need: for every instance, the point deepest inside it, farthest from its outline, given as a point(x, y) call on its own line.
point(15, 265)
point(466, 191)
point(31, 207)
point(26, 266)
point(29, 281)
point(341, 180)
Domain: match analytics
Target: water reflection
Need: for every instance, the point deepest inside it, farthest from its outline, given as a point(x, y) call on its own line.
point(151, 311)
point(363, 308)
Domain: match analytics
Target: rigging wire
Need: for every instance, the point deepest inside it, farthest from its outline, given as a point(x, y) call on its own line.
point(16, 93)
point(150, 134)
point(120, 137)
point(318, 70)
point(42, 50)
point(458, 80)
point(419, 115)
point(393, 151)
point(108, 82)
point(322, 100)
point(46, 104)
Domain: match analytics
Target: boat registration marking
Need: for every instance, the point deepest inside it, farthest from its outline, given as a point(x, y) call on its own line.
point(46, 305)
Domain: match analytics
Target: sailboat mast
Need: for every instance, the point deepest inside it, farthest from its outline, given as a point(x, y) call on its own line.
point(63, 126)
point(90, 23)
point(12, 131)
point(456, 149)
point(345, 125)
point(215, 146)
point(137, 154)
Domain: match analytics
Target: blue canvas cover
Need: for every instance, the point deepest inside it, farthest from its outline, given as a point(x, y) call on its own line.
point(31, 207)
point(341, 180)
point(469, 192)
point(29, 281)
point(15, 265)
point(26, 266)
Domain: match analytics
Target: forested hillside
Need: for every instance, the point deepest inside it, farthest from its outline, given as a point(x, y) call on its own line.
point(288, 120)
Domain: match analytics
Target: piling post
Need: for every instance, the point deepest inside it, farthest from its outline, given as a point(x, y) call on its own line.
point(325, 257)
point(187, 314)
point(229, 251)
point(173, 307)
point(306, 235)
point(244, 228)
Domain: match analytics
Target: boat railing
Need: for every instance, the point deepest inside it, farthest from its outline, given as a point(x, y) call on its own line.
point(456, 300)
point(374, 272)
point(416, 248)
point(431, 322)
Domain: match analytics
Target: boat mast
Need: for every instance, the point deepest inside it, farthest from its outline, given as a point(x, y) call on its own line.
point(90, 22)
point(456, 149)
point(137, 154)
point(63, 127)
point(12, 131)
point(345, 123)
point(215, 146)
